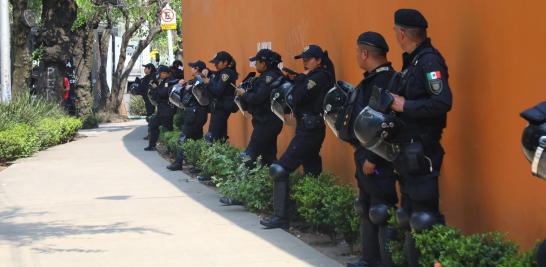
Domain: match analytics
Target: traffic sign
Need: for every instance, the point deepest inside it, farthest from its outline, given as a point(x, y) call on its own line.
point(168, 18)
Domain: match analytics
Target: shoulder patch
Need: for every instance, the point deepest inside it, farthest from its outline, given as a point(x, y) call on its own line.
point(311, 84)
point(435, 83)
point(225, 77)
point(268, 79)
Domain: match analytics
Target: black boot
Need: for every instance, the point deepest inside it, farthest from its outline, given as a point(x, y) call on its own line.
point(177, 164)
point(280, 207)
point(410, 250)
point(386, 234)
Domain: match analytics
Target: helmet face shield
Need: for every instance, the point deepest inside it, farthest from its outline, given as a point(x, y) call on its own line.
point(371, 130)
point(534, 148)
point(175, 97)
point(198, 91)
point(333, 105)
point(151, 97)
point(280, 100)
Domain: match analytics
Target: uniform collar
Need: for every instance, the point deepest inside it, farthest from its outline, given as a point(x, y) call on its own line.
point(407, 58)
point(380, 68)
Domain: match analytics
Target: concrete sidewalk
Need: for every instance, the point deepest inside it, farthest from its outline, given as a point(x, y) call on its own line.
point(104, 201)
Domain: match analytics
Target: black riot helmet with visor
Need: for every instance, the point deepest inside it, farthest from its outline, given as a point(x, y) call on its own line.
point(533, 140)
point(335, 102)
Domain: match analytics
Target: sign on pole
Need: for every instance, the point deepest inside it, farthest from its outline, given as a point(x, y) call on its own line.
point(168, 18)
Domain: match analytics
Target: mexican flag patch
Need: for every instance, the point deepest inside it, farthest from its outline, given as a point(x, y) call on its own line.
point(435, 75)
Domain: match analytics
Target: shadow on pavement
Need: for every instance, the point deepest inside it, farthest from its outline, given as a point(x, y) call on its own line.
point(208, 198)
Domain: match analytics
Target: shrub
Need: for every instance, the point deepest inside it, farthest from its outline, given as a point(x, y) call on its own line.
point(90, 121)
point(137, 107)
point(171, 141)
point(19, 140)
point(49, 130)
point(192, 150)
point(26, 109)
point(69, 128)
point(219, 161)
point(178, 120)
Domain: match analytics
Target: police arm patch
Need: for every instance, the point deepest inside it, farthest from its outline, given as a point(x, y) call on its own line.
point(225, 77)
point(435, 83)
point(311, 84)
point(268, 79)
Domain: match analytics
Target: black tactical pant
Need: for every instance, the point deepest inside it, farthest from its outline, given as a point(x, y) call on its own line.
point(194, 120)
point(420, 193)
point(376, 189)
point(150, 108)
point(218, 125)
point(165, 120)
point(263, 141)
point(304, 149)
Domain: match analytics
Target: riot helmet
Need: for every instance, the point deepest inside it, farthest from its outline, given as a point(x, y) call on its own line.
point(280, 97)
point(198, 90)
point(533, 140)
point(334, 104)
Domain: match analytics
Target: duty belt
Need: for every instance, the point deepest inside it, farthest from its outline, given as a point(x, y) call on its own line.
point(538, 154)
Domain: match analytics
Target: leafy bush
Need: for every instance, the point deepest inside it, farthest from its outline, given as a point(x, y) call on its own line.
point(219, 161)
point(137, 106)
point(326, 206)
point(192, 150)
point(69, 128)
point(17, 141)
point(178, 120)
point(26, 109)
point(91, 121)
point(171, 140)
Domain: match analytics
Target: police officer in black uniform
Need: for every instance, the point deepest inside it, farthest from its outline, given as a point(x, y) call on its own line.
point(308, 96)
point(422, 99)
point(165, 110)
point(375, 175)
point(177, 70)
point(266, 125)
point(220, 87)
point(195, 115)
point(144, 86)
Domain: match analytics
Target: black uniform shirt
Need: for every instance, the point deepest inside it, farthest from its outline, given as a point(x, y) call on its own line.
point(309, 91)
point(380, 77)
point(257, 97)
point(424, 84)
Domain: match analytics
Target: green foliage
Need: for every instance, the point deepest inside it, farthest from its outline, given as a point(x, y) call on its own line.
point(170, 140)
point(252, 186)
point(219, 161)
point(86, 10)
point(38, 53)
point(137, 106)
point(22, 140)
point(19, 140)
point(29, 110)
point(326, 206)
point(192, 150)
point(91, 121)
point(178, 119)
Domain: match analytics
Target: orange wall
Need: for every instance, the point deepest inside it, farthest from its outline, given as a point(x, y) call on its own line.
point(495, 52)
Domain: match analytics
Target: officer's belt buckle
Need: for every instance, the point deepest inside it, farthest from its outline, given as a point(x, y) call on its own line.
point(538, 156)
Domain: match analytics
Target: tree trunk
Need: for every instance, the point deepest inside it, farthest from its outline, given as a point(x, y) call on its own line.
point(102, 86)
point(83, 61)
point(21, 48)
point(57, 39)
point(119, 79)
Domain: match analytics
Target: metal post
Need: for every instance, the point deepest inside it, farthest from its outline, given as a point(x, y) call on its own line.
point(170, 41)
point(5, 59)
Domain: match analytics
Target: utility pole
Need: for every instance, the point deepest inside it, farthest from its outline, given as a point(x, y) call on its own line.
point(5, 58)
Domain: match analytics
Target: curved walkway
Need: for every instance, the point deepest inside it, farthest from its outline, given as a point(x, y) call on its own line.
point(103, 201)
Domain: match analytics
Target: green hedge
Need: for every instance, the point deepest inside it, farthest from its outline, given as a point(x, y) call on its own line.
point(22, 140)
point(327, 207)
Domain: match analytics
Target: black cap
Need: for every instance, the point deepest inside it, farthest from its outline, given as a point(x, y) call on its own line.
point(373, 39)
point(310, 51)
point(221, 56)
point(263, 54)
point(177, 63)
point(150, 66)
point(199, 65)
point(163, 68)
point(410, 18)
